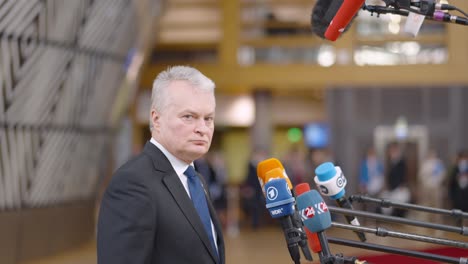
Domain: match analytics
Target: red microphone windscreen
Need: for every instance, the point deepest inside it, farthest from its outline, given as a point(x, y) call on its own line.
point(302, 188)
point(345, 14)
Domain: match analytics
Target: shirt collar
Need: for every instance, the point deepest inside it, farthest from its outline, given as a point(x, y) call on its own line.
point(178, 165)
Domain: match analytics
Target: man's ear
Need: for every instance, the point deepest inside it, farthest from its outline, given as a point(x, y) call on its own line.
point(155, 116)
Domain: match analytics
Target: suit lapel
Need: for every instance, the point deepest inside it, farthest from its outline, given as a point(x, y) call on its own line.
point(178, 192)
point(218, 229)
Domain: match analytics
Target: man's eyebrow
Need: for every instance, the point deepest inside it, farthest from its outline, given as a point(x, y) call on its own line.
point(187, 111)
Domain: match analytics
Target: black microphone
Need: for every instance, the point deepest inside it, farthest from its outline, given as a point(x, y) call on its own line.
point(437, 15)
point(429, 9)
point(426, 7)
point(432, 10)
point(322, 15)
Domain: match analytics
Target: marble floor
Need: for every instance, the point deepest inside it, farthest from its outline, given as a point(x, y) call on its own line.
point(267, 245)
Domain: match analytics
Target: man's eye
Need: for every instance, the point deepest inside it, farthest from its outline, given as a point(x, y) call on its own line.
point(209, 119)
point(188, 117)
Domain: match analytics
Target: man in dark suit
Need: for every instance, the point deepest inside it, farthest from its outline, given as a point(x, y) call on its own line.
point(156, 208)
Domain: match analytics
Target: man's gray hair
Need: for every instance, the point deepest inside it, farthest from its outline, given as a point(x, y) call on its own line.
point(176, 73)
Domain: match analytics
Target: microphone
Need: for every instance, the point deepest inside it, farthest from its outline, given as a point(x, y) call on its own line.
point(322, 14)
point(432, 10)
point(343, 17)
point(273, 169)
point(331, 182)
point(424, 7)
point(316, 217)
point(266, 166)
point(429, 11)
point(312, 238)
point(280, 204)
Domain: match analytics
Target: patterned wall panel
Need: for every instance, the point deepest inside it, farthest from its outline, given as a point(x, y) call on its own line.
point(61, 64)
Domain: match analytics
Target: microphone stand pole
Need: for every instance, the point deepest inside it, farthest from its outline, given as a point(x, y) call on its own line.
point(383, 232)
point(387, 203)
point(463, 230)
point(399, 251)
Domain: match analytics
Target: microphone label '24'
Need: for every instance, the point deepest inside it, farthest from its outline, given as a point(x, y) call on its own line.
point(310, 211)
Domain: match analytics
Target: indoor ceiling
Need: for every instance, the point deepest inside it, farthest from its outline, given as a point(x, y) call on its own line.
point(199, 21)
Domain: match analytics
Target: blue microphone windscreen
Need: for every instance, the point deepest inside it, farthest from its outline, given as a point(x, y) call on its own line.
point(325, 171)
point(314, 211)
point(279, 200)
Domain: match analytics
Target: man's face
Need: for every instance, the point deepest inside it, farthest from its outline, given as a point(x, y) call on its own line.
point(185, 127)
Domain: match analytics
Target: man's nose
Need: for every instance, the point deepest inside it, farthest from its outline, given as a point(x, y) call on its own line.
point(202, 126)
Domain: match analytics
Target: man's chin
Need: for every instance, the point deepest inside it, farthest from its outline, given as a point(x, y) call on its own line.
point(198, 153)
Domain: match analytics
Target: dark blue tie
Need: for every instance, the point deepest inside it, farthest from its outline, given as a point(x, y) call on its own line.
point(199, 201)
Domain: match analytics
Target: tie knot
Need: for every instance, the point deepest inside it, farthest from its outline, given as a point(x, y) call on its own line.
point(190, 172)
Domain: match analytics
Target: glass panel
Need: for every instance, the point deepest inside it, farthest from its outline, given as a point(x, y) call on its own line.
point(397, 53)
point(388, 24)
point(323, 55)
point(268, 18)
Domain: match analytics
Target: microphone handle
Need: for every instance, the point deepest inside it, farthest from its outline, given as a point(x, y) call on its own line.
point(343, 202)
point(305, 250)
point(290, 234)
point(297, 222)
point(325, 255)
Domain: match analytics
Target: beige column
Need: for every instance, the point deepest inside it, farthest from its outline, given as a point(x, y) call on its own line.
point(261, 133)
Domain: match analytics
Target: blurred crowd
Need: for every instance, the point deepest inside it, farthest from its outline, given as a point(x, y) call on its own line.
point(432, 182)
point(435, 184)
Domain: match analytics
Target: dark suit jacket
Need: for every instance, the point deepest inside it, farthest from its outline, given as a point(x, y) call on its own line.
point(147, 217)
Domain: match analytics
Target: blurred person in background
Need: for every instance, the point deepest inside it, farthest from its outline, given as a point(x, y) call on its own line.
point(156, 208)
point(203, 166)
point(396, 180)
point(253, 202)
point(396, 173)
point(431, 175)
point(218, 184)
point(371, 174)
point(371, 178)
point(317, 156)
point(458, 182)
point(295, 166)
